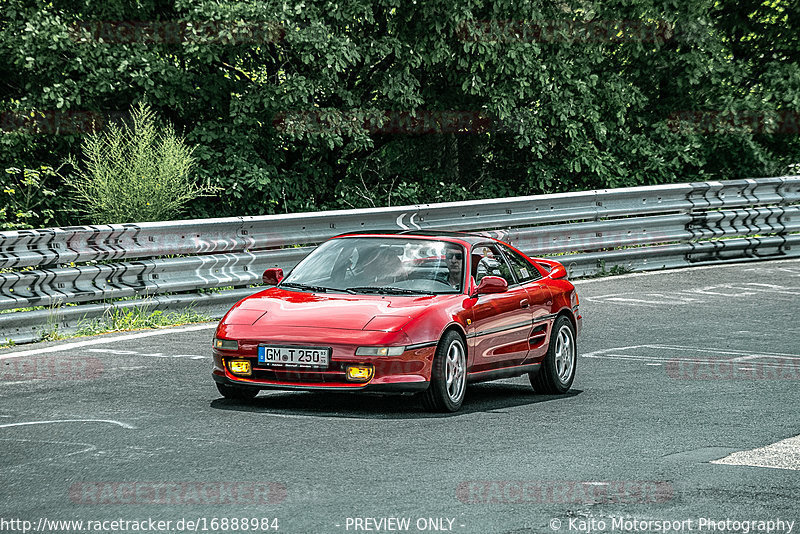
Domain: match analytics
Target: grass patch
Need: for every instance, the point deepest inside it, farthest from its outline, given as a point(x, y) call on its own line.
point(120, 320)
point(613, 271)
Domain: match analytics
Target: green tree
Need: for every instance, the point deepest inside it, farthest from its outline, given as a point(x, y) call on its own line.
point(290, 104)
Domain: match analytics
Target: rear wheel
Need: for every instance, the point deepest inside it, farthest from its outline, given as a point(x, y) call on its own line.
point(449, 375)
point(236, 392)
point(558, 368)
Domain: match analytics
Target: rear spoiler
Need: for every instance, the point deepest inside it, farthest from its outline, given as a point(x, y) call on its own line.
point(554, 269)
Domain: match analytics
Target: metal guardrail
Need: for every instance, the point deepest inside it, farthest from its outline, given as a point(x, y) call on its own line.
point(638, 228)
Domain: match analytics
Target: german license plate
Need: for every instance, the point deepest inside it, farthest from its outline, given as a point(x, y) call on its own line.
point(272, 355)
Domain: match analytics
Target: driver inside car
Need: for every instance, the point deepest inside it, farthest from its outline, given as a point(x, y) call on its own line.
point(454, 259)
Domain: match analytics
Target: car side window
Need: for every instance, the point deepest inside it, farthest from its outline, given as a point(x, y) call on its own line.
point(522, 268)
point(488, 261)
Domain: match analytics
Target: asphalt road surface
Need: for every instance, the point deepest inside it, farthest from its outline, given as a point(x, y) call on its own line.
point(685, 409)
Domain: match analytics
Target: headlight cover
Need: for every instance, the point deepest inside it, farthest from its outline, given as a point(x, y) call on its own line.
point(226, 344)
point(380, 351)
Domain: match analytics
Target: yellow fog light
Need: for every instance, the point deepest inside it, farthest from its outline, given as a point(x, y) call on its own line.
point(240, 367)
point(359, 373)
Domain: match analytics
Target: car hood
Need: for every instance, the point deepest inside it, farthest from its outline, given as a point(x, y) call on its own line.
point(281, 308)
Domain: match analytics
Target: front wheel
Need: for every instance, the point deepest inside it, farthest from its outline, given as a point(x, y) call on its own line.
point(558, 368)
point(449, 375)
point(236, 392)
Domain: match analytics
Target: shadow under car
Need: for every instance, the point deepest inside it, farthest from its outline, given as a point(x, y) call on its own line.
point(482, 397)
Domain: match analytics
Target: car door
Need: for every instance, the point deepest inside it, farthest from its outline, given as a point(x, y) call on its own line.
point(540, 302)
point(501, 322)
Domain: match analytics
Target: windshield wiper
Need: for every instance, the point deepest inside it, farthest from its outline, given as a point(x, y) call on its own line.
point(388, 290)
point(295, 285)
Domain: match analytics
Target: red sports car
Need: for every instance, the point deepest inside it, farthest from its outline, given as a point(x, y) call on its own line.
point(404, 311)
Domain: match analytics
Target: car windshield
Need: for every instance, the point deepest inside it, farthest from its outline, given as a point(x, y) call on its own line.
point(401, 266)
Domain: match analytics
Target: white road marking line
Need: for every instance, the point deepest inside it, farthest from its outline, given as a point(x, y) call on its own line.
point(737, 266)
point(20, 382)
point(290, 416)
point(675, 297)
point(694, 295)
point(103, 340)
point(89, 448)
point(708, 291)
point(29, 423)
point(718, 351)
point(789, 270)
point(603, 351)
point(772, 289)
point(293, 416)
point(784, 454)
point(634, 302)
point(149, 355)
point(134, 368)
point(753, 357)
point(113, 351)
point(785, 361)
point(771, 286)
point(611, 356)
point(695, 349)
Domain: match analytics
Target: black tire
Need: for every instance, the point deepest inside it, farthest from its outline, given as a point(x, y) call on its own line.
point(441, 396)
point(236, 392)
point(556, 374)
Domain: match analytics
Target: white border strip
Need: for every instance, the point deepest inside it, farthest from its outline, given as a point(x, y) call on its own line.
point(784, 454)
point(103, 340)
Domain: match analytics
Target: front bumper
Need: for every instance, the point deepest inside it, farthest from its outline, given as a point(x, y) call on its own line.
point(409, 371)
point(388, 387)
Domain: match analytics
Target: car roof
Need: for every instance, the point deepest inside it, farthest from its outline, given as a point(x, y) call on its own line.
point(469, 238)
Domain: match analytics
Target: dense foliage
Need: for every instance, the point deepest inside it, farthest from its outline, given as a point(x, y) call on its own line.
point(310, 105)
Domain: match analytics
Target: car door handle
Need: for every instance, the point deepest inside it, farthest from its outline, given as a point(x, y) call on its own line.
point(524, 303)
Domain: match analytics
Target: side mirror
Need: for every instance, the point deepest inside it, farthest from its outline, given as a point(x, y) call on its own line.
point(491, 284)
point(272, 276)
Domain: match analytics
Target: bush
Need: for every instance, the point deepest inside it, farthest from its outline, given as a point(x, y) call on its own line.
point(25, 195)
point(135, 172)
